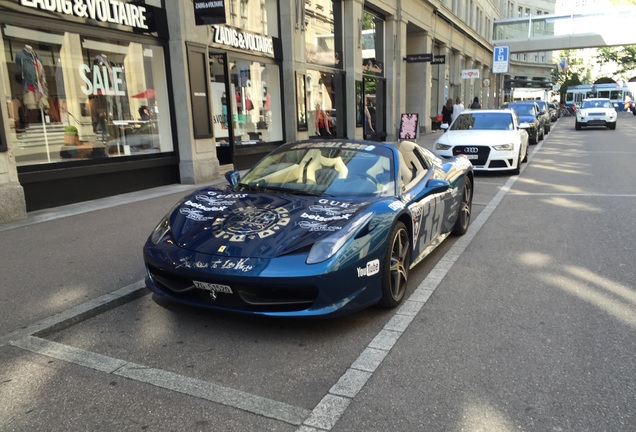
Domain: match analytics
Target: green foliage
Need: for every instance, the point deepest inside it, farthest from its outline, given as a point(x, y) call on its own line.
point(71, 130)
point(623, 57)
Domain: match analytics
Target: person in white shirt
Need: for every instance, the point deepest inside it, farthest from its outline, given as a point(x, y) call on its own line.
point(458, 107)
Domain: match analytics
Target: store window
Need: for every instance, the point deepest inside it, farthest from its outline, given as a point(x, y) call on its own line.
point(325, 104)
point(323, 33)
point(73, 97)
point(374, 82)
point(255, 90)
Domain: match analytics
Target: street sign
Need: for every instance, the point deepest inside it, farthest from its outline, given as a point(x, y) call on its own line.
point(500, 59)
point(425, 58)
point(419, 58)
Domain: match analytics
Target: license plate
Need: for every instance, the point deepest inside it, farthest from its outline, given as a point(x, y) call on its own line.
point(213, 287)
point(472, 156)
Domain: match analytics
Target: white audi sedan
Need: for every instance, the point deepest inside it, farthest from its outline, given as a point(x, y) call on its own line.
point(596, 112)
point(493, 140)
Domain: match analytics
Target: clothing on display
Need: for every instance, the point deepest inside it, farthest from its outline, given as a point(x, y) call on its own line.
point(33, 78)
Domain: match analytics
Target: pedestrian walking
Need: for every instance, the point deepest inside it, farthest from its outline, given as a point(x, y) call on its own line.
point(475, 104)
point(447, 112)
point(458, 107)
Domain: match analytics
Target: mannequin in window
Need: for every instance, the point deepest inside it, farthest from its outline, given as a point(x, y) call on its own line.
point(368, 119)
point(33, 78)
point(322, 127)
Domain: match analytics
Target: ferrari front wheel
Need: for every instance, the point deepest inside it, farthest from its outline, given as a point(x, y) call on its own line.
point(395, 268)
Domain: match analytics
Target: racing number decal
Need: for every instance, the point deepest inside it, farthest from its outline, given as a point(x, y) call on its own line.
point(427, 220)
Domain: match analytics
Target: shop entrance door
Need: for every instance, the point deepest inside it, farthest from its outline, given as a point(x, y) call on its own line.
point(246, 108)
point(223, 107)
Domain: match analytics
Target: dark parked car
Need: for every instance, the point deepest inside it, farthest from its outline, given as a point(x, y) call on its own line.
point(528, 112)
point(554, 111)
point(545, 113)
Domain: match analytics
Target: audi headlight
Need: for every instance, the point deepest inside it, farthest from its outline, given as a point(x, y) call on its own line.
point(440, 146)
point(324, 249)
point(504, 147)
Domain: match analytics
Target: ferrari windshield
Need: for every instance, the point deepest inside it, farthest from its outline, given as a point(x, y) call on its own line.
point(483, 120)
point(332, 169)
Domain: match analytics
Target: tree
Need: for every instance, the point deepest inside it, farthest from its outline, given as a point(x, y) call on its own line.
point(623, 57)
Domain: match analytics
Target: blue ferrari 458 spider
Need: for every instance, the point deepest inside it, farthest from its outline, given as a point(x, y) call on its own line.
point(315, 228)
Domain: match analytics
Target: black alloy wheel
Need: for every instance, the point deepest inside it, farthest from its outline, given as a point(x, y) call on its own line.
point(395, 269)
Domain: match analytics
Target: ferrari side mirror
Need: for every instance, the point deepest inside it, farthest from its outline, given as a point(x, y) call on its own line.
point(233, 177)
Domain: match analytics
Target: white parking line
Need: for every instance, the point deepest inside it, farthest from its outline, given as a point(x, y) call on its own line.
point(80, 312)
point(167, 380)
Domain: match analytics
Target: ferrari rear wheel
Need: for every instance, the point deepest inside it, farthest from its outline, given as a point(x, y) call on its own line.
point(463, 218)
point(395, 271)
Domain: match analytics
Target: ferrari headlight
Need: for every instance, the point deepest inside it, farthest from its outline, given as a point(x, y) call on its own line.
point(440, 146)
point(160, 232)
point(504, 147)
point(324, 249)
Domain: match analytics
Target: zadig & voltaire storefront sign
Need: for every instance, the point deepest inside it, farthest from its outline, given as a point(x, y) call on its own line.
point(111, 11)
point(244, 40)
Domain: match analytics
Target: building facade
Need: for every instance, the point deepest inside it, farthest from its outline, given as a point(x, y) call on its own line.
point(105, 97)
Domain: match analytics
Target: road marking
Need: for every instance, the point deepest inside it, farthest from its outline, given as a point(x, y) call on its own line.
point(611, 195)
point(79, 313)
point(166, 380)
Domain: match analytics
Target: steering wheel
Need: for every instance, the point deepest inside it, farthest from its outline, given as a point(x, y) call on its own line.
point(370, 178)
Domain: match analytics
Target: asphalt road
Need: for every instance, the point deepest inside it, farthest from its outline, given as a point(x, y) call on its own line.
point(526, 323)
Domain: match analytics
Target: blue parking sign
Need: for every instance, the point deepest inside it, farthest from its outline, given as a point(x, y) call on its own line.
point(500, 59)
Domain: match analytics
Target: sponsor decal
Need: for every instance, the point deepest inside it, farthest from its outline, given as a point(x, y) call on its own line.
point(217, 195)
point(396, 205)
point(194, 215)
point(238, 264)
point(211, 201)
point(336, 144)
point(372, 268)
point(247, 223)
point(334, 203)
point(204, 208)
point(109, 11)
point(325, 218)
point(317, 226)
point(184, 262)
point(330, 210)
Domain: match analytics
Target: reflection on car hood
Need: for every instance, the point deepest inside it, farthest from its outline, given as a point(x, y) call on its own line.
point(477, 137)
point(259, 225)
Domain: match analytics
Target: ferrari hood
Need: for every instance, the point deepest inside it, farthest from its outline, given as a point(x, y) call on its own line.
point(258, 225)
